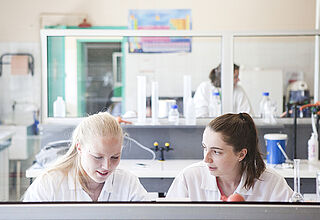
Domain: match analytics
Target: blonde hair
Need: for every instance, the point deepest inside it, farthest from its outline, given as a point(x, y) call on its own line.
point(98, 125)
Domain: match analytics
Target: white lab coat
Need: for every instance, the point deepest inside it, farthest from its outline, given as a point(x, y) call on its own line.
point(202, 99)
point(121, 185)
point(196, 183)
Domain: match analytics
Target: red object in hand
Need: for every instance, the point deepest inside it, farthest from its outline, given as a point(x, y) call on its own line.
point(235, 198)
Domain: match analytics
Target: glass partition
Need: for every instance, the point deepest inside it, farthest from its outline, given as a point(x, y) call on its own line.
point(95, 73)
point(282, 66)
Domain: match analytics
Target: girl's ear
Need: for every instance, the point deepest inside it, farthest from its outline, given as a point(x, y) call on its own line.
point(242, 154)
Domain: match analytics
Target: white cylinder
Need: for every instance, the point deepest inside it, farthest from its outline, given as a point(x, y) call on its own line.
point(186, 92)
point(141, 98)
point(155, 101)
point(190, 115)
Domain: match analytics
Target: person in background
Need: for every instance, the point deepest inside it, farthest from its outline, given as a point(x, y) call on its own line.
point(232, 165)
point(88, 171)
point(205, 89)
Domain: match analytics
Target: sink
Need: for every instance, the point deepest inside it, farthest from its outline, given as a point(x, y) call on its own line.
point(19, 145)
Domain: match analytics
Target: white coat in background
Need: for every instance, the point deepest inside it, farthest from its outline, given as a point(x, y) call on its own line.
point(196, 183)
point(121, 185)
point(202, 99)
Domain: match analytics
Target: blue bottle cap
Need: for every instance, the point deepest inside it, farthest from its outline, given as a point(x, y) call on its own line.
point(216, 93)
point(174, 106)
point(265, 93)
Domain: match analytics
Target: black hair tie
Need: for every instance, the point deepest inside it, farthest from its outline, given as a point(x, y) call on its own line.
point(242, 117)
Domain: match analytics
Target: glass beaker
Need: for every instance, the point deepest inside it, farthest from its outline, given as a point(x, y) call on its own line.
point(297, 196)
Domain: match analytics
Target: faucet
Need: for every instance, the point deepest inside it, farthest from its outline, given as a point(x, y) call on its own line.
point(166, 147)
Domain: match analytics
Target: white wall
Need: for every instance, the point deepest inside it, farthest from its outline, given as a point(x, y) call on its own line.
point(24, 89)
point(20, 20)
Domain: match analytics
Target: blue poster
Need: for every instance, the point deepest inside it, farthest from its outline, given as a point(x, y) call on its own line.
point(175, 19)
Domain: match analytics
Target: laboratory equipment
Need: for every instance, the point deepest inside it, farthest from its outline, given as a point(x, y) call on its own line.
point(265, 98)
point(315, 112)
point(155, 102)
point(141, 98)
point(215, 105)
point(313, 147)
point(299, 95)
point(267, 109)
point(276, 154)
point(164, 107)
point(186, 92)
point(190, 113)
point(173, 117)
point(297, 196)
point(59, 107)
point(161, 149)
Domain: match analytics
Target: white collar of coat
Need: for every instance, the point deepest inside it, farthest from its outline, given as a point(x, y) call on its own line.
point(209, 183)
point(107, 187)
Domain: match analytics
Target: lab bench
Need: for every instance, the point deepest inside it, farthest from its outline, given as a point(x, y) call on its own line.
point(157, 176)
point(185, 140)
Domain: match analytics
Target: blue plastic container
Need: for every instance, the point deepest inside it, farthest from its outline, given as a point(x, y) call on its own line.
point(274, 154)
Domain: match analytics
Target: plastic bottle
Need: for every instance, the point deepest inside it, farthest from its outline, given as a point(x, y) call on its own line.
point(173, 117)
point(190, 112)
point(265, 98)
point(59, 107)
point(215, 105)
point(313, 147)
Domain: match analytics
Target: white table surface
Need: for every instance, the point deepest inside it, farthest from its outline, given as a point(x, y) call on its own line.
point(170, 168)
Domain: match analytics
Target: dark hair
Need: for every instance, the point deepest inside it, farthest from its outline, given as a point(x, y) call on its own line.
point(215, 75)
point(239, 131)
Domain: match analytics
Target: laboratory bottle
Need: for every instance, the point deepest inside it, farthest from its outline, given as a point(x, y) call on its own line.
point(190, 112)
point(265, 98)
point(59, 107)
point(268, 111)
point(173, 117)
point(215, 105)
point(313, 147)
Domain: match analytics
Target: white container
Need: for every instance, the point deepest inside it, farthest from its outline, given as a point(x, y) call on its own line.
point(186, 92)
point(164, 107)
point(155, 102)
point(215, 105)
point(59, 107)
point(267, 109)
point(190, 114)
point(313, 147)
point(173, 117)
point(265, 98)
point(141, 98)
